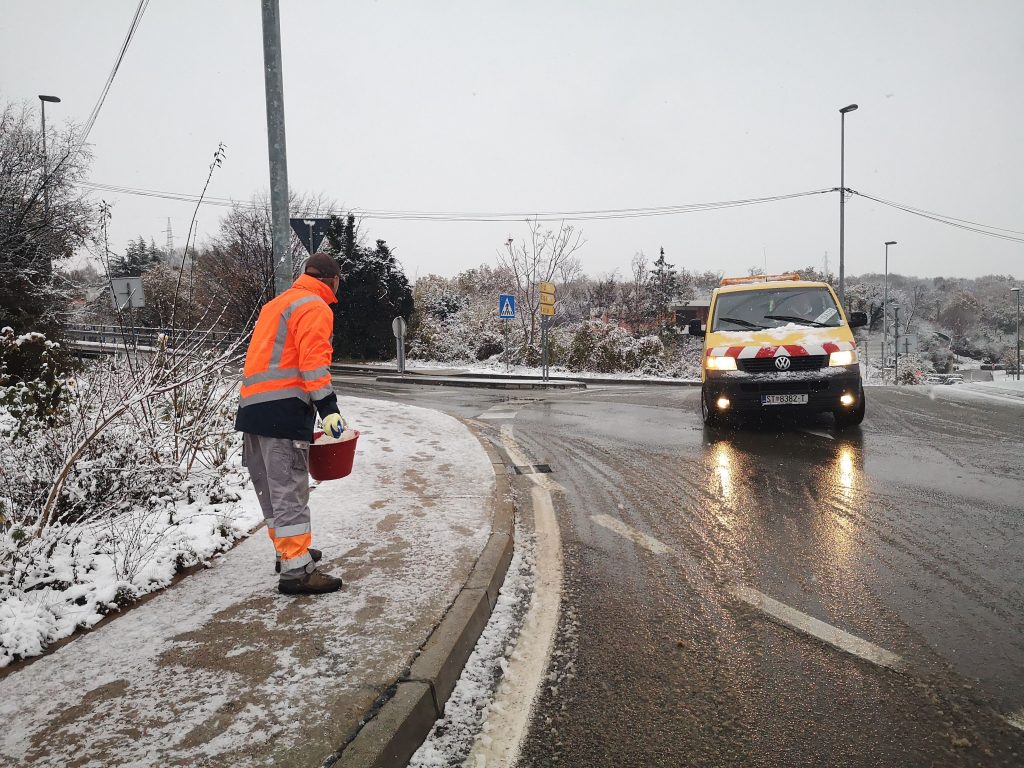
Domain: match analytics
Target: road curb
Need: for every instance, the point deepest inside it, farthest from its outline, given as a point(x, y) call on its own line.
point(422, 377)
point(393, 734)
point(460, 381)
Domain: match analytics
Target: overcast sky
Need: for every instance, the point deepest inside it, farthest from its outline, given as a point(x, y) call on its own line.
point(564, 106)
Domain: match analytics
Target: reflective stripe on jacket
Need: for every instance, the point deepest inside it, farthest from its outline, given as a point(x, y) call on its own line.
point(287, 365)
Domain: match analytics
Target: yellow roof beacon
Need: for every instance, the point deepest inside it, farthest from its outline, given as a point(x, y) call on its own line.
point(779, 344)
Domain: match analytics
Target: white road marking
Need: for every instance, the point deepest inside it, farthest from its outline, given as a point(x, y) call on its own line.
point(637, 537)
point(1016, 719)
point(809, 625)
point(518, 457)
point(502, 411)
point(819, 433)
point(499, 743)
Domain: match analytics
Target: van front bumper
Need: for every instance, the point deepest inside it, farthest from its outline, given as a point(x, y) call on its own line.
point(745, 391)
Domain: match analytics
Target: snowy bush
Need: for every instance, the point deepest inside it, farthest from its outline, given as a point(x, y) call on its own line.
point(111, 481)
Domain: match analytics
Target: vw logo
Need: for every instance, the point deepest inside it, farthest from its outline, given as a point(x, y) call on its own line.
point(782, 363)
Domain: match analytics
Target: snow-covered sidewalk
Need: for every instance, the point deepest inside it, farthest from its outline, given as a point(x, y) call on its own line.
point(222, 670)
point(1005, 390)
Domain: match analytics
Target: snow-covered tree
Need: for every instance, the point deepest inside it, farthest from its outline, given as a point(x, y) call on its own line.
point(32, 239)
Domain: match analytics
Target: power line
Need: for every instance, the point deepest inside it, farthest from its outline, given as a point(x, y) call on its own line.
point(575, 215)
point(474, 216)
point(952, 221)
point(140, 9)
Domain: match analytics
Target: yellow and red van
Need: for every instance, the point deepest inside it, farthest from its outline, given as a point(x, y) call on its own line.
point(779, 344)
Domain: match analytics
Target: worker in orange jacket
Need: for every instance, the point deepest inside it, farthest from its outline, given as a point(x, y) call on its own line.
point(287, 380)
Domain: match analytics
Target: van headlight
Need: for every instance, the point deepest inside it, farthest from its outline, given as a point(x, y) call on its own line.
point(843, 357)
point(720, 363)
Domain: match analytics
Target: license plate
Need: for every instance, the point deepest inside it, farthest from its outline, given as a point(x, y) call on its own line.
point(784, 399)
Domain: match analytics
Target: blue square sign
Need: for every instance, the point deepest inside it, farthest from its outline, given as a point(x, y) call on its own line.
point(507, 306)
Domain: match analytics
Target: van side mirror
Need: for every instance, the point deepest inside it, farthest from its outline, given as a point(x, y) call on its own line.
point(858, 319)
point(694, 329)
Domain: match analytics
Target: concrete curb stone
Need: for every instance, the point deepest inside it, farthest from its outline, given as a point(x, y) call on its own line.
point(394, 733)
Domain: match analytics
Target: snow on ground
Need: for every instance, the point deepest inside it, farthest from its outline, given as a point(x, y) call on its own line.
point(110, 563)
point(1007, 391)
point(222, 669)
point(453, 736)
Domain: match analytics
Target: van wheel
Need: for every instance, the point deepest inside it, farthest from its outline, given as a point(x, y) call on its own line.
point(845, 419)
point(709, 416)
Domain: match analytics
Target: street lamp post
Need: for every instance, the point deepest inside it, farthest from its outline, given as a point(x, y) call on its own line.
point(1017, 291)
point(46, 187)
point(842, 201)
point(885, 309)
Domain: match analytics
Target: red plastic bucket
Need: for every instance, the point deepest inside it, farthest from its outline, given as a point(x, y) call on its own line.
point(331, 461)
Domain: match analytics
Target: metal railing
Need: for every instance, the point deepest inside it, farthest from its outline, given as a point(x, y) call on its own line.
point(110, 336)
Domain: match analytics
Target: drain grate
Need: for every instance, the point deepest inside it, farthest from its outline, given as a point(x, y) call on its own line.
point(531, 469)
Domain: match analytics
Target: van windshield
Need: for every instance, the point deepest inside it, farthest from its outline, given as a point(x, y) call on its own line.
point(773, 308)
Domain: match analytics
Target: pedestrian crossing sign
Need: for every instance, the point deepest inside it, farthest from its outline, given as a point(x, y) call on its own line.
point(507, 306)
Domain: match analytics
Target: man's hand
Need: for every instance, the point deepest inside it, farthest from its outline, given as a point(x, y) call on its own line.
point(334, 425)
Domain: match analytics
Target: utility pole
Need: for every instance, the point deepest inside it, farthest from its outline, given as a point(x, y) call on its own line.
point(169, 246)
point(274, 83)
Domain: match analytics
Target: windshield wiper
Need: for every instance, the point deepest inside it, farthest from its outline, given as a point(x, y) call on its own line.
point(795, 319)
point(744, 323)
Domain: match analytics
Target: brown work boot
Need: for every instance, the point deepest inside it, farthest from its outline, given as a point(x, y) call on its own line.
point(315, 583)
point(315, 554)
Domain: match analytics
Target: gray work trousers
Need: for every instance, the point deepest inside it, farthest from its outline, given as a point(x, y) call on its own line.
point(279, 470)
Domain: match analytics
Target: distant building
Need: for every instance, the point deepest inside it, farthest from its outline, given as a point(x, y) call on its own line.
point(694, 309)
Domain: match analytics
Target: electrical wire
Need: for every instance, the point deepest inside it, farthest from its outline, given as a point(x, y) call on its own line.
point(582, 215)
point(140, 10)
point(467, 216)
point(952, 221)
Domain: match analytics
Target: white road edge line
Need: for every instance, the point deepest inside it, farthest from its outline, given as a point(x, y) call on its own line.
point(809, 625)
point(512, 707)
point(637, 537)
point(1016, 719)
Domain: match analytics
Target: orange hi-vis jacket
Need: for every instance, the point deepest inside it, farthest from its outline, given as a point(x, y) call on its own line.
point(287, 365)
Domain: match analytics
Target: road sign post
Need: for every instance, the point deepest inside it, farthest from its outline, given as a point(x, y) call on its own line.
point(398, 326)
point(506, 312)
point(547, 309)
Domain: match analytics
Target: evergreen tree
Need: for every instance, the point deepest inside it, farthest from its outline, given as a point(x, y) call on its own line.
point(138, 257)
point(374, 290)
point(664, 285)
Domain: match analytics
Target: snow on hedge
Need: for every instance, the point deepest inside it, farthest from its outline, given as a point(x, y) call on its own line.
point(113, 479)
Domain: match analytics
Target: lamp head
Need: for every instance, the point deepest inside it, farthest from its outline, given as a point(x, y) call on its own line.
point(890, 242)
point(848, 108)
point(51, 99)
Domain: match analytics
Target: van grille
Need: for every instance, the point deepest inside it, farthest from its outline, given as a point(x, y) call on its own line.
point(798, 363)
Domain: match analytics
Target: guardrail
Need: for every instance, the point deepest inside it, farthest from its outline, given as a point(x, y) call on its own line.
point(107, 337)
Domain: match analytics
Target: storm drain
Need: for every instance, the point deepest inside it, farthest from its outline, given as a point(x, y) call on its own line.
point(531, 469)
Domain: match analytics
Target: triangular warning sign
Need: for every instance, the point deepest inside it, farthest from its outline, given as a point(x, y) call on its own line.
point(506, 309)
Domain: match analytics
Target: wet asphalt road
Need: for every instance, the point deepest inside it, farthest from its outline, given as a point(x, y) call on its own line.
point(907, 533)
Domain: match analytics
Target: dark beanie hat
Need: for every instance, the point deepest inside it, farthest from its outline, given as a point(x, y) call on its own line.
point(322, 265)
